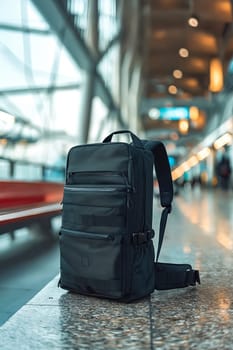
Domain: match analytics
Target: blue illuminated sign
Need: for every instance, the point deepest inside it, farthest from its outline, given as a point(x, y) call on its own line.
point(173, 113)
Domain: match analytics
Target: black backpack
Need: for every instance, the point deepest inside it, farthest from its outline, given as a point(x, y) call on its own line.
point(106, 236)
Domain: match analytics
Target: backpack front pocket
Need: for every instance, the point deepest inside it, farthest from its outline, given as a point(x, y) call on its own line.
point(95, 208)
point(83, 256)
point(102, 196)
point(97, 178)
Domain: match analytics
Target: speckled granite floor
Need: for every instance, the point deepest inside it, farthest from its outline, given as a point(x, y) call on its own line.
point(200, 232)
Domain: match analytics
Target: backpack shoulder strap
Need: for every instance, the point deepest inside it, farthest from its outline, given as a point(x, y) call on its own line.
point(163, 173)
point(167, 276)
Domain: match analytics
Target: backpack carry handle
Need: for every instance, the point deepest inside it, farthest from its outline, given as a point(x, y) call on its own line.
point(136, 141)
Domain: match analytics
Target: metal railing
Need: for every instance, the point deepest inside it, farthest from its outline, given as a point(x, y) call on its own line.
point(12, 169)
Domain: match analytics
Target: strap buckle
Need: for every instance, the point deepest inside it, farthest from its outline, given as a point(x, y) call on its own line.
point(192, 277)
point(171, 276)
point(142, 237)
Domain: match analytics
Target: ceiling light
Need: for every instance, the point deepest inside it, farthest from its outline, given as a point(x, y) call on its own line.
point(176, 173)
point(203, 153)
point(192, 161)
point(193, 21)
point(154, 113)
point(216, 75)
point(177, 73)
point(185, 166)
point(172, 89)
point(183, 52)
point(225, 139)
point(183, 126)
point(194, 113)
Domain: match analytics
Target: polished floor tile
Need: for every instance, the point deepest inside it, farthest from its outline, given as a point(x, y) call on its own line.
point(199, 232)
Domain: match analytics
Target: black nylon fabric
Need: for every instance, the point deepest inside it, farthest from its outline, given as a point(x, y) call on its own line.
point(164, 177)
point(108, 191)
point(106, 246)
point(98, 157)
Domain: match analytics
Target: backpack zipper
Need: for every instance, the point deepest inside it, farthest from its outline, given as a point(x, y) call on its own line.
point(96, 173)
point(79, 188)
point(88, 235)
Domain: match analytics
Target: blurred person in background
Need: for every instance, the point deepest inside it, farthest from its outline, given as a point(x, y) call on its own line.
point(224, 172)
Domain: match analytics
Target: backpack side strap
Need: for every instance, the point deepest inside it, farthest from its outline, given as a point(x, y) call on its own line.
point(163, 173)
point(170, 276)
point(167, 275)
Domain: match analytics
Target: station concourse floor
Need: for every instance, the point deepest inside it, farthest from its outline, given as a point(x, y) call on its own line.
point(200, 232)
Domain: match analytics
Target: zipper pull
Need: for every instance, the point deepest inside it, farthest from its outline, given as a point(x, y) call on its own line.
point(129, 187)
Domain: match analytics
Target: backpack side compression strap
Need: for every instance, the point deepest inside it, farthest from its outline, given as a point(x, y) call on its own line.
point(168, 276)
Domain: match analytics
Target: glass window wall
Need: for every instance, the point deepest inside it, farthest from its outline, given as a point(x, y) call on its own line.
point(40, 87)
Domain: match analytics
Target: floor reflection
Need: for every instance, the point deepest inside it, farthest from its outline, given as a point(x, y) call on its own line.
point(211, 211)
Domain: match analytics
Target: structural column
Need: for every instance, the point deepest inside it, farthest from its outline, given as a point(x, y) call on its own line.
point(89, 76)
point(131, 70)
